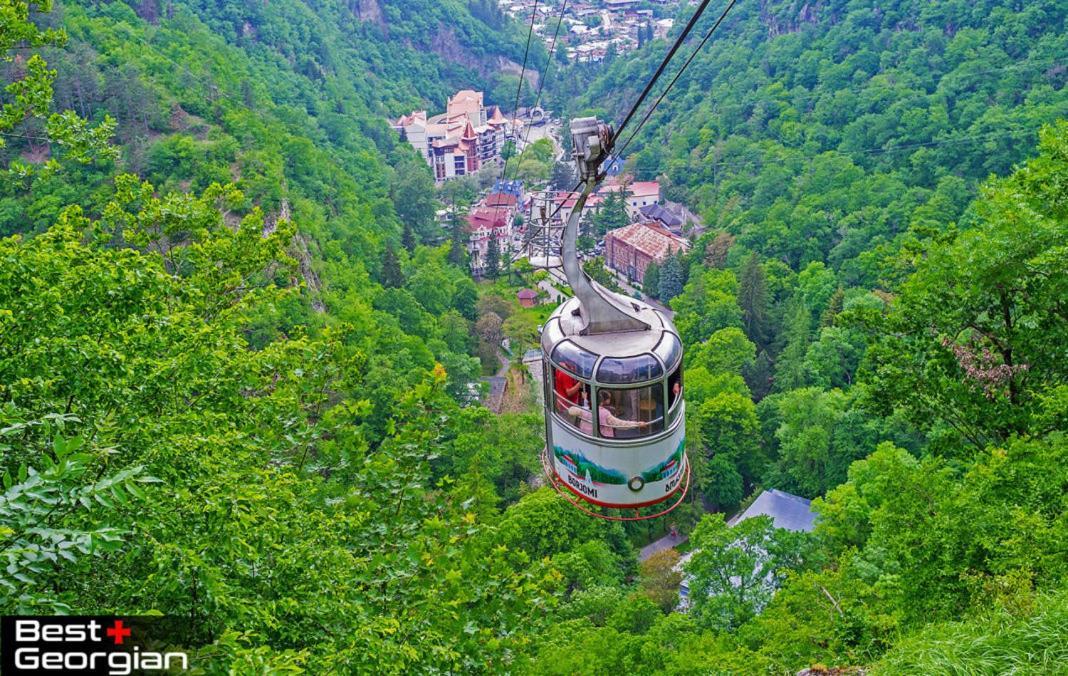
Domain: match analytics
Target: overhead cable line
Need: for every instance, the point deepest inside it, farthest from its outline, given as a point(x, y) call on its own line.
point(544, 75)
point(515, 109)
point(694, 18)
point(548, 63)
point(652, 82)
point(526, 53)
point(617, 154)
point(663, 64)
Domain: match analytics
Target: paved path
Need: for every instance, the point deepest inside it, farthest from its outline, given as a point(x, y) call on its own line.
point(534, 365)
point(554, 294)
point(497, 384)
point(666, 542)
point(629, 288)
point(505, 364)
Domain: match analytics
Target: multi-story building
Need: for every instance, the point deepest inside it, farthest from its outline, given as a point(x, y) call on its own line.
point(462, 139)
point(455, 155)
point(486, 222)
point(629, 250)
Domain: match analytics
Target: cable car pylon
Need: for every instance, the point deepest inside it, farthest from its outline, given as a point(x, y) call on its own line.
point(614, 411)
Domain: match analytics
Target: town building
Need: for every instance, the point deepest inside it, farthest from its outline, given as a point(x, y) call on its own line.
point(629, 250)
point(460, 141)
point(662, 215)
point(513, 187)
point(638, 194)
point(527, 297)
point(492, 218)
point(594, 30)
point(786, 510)
point(564, 204)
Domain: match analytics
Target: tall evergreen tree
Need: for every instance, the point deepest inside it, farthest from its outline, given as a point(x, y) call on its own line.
point(790, 366)
point(834, 306)
point(671, 279)
point(408, 237)
point(563, 176)
point(392, 275)
point(612, 214)
point(651, 280)
point(759, 375)
point(492, 269)
point(457, 247)
point(753, 299)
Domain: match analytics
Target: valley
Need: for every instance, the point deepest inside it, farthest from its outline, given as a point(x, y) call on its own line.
point(272, 325)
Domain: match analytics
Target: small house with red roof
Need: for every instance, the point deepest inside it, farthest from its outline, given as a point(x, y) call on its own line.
point(527, 297)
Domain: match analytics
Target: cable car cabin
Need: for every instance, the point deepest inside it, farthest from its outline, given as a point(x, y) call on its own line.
point(614, 416)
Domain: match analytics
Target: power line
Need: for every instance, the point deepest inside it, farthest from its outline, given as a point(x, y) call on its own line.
point(742, 162)
point(675, 79)
point(541, 85)
point(549, 62)
point(652, 81)
point(649, 85)
point(663, 64)
point(526, 52)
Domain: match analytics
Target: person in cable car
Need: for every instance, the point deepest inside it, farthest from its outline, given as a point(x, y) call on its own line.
point(608, 421)
point(568, 390)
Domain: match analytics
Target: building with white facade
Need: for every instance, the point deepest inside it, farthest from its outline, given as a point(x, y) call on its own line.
point(467, 136)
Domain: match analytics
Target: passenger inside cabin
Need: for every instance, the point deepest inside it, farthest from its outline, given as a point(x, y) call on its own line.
point(674, 387)
point(609, 423)
point(568, 390)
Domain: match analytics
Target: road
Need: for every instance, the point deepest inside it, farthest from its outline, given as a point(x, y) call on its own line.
point(669, 541)
point(549, 131)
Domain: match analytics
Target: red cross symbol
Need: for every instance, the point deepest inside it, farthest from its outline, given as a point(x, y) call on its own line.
point(118, 631)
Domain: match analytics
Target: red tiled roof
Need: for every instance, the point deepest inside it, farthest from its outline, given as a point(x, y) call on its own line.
point(638, 188)
point(500, 199)
point(649, 238)
point(527, 293)
point(497, 117)
point(416, 116)
point(645, 188)
point(570, 199)
point(483, 217)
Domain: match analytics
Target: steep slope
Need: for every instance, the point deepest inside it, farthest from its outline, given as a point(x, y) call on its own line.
point(816, 130)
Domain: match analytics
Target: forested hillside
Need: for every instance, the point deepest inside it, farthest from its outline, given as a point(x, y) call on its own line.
point(828, 131)
point(827, 147)
point(235, 362)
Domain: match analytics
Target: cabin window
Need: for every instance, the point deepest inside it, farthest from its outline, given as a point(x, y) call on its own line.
point(669, 349)
point(573, 358)
point(674, 392)
point(571, 400)
point(640, 369)
point(630, 413)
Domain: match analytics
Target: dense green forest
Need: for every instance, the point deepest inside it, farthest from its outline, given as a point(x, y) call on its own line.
point(235, 361)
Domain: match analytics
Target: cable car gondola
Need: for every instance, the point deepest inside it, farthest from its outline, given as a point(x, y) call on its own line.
point(614, 411)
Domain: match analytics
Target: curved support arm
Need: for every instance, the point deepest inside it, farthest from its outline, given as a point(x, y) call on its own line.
point(600, 312)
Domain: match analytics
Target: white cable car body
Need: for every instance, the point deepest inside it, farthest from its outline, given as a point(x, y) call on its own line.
point(614, 411)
